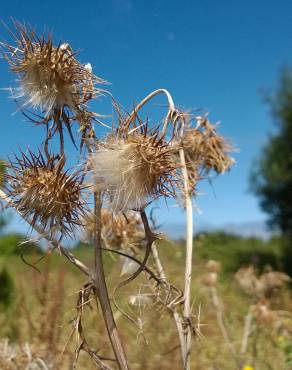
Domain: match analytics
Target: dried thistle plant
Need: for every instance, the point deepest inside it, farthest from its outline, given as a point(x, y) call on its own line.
point(42, 190)
point(211, 277)
point(131, 167)
point(205, 150)
point(263, 314)
point(263, 286)
point(50, 77)
point(134, 169)
point(118, 231)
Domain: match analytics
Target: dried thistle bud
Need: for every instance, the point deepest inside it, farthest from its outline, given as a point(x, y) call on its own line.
point(213, 266)
point(263, 313)
point(264, 286)
point(272, 281)
point(210, 279)
point(205, 150)
point(50, 77)
point(43, 191)
point(121, 231)
point(134, 169)
point(248, 281)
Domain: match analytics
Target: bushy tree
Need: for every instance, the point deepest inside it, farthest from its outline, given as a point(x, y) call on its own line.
point(271, 178)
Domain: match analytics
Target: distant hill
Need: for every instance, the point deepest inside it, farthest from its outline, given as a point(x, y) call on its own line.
point(256, 229)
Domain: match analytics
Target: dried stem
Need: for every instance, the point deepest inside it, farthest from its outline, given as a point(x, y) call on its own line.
point(157, 262)
point(133, 115)
point(85, 292)
point(177, 317)
point(189, 227)
point(220, 319)
point(189, 253)
point(103, 293)
point(246, 332)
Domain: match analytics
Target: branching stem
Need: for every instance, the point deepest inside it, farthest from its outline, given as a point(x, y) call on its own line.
point(103, 293)
point(189, 258)
point(133, 115)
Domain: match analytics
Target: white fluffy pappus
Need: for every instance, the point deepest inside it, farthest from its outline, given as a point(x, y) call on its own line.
point(117, 171)
point(134, 170)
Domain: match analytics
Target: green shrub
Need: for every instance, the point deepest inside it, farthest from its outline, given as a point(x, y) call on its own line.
point(234, 251)
point(7, 289)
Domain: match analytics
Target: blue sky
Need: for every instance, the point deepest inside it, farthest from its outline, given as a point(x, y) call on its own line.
point(215, 55)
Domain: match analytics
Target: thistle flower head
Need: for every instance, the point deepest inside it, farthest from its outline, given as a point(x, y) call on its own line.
point(44, 192)
point(263, 314)
point(134, 169)
point(211, 277)
point(263, 286)
point(118, 231)
point(213, 266)
point(50, 76)
point(205, 150)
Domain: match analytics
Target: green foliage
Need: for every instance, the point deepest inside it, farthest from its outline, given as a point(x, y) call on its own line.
point(271, 178)
point(234, 251)
point(11, 244)
point(2, 171)
point(7, 289)
point(285, 344)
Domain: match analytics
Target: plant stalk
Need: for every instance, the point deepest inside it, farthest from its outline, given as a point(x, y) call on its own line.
point(188, 265)
point(103, 293)
point(176, 315)
point(220, 320)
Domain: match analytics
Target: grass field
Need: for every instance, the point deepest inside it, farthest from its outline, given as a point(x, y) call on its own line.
point(37, 319)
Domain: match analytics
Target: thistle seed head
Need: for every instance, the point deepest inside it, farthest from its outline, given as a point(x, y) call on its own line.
point(134, 169)
point(213, 266)
point(44, 192)
point(50, 76)
point(205, 150)
point(118, 231)
point(263, 314)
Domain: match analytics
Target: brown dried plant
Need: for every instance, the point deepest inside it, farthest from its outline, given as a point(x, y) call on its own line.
point(131, 167)
point(210, 278)
point(263, 286)
point(41, 188)
point(50, 77)
point(205, 150)
point(134, 169)
point(118, 231)
point(51, 80)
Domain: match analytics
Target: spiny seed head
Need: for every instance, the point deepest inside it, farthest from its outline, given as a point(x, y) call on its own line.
point(213, 266)
point(118, 231)
point(263, 314)
point(211, 277)
point(264, 286)
point(205, 150)
point(44, 192)
point(50, 77)
point(134, 168)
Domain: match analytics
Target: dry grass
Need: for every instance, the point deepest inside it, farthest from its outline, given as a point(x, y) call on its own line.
point(43, 318)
